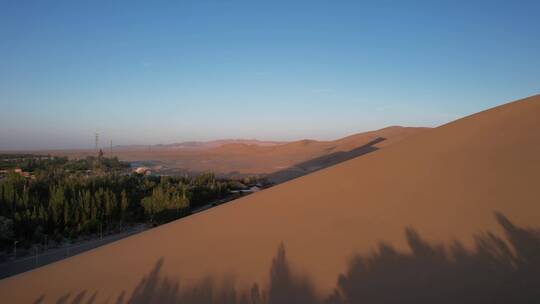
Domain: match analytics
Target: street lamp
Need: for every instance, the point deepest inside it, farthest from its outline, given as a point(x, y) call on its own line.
point(15, 249)
point(37, 251)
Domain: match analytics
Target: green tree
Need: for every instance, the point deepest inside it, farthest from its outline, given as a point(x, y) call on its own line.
point(6, 230)
point(124, 203)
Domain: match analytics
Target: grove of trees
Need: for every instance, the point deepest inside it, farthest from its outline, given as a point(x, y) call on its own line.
point(60, 203)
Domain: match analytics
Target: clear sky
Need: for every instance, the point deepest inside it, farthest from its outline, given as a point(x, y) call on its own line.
point(167, 71)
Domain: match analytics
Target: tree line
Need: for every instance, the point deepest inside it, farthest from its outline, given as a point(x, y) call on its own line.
point(59, 204)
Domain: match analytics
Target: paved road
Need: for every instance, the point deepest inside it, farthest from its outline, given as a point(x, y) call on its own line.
point(20, 265)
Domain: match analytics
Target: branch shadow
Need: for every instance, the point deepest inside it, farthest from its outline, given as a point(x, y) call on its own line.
point(499, 269)
point(284, 287)
point(495, 271)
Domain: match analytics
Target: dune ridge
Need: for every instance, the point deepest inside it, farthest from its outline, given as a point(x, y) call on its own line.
point(244, 156)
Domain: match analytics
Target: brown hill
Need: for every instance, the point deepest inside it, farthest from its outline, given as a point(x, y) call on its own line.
point(256, 159)
point(203, 145)
point(247, 156)
point(445, 182)
point(329, 153)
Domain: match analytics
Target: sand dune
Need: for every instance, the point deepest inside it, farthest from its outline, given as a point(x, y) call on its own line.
point(255, 159)
point(334, 152)
point(247, 156)
point(445, 182)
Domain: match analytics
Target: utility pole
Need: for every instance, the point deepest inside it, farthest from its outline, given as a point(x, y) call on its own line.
point(110, 156)
point(97, 141)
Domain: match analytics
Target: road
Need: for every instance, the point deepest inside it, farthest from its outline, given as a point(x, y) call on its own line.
point(13, 267)
point(23, 264)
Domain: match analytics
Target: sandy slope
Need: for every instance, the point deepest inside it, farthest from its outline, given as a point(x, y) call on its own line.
point(328, 153)
point(445, 182)
point(260, 159)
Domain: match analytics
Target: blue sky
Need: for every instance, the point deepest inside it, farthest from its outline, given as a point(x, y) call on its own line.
point(168, 71)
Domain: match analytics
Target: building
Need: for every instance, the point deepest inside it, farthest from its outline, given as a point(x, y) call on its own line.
point(143, 171)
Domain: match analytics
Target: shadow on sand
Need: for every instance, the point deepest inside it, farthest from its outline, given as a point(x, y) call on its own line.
point(497, 270)
point(322, 162)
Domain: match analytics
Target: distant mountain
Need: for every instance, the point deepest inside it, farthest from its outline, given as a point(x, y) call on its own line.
point(201, 145)
point(218, 143)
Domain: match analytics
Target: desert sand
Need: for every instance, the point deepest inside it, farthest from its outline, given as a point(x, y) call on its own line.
point(445, 182)
point(251, 156)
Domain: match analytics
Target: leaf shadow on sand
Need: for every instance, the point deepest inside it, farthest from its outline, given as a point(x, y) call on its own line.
point(498, 270)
